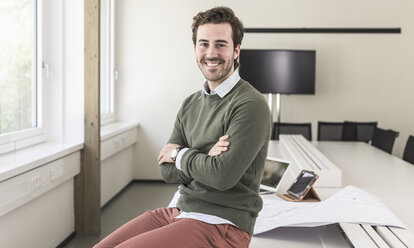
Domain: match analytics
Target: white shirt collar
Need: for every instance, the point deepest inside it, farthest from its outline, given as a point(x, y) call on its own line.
point(225, 87)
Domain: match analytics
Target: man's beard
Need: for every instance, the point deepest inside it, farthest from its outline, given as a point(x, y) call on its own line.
point(222, 71)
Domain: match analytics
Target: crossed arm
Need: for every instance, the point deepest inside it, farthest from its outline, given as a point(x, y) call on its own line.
point(248, 132)
point(221, 146)
point(173, 175)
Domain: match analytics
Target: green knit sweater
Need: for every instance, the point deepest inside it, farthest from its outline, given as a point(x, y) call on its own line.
point(227, 185)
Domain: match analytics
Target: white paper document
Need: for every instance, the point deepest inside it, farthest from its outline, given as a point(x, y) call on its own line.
point(350, 205)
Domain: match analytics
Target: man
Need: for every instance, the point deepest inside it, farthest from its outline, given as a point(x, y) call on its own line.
point(217, 152)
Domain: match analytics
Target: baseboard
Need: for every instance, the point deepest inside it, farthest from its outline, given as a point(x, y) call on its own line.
point(66, 240)
point(148, 181)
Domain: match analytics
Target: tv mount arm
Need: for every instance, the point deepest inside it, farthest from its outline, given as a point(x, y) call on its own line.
point(270, 102)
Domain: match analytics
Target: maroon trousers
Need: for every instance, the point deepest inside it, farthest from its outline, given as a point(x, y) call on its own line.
point(159, 228)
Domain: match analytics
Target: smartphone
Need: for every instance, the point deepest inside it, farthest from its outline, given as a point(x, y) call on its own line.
point(302, 184)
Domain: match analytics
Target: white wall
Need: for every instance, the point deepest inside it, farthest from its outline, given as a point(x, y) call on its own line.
point(116, 173)
point(360, 77)
point(43, 222)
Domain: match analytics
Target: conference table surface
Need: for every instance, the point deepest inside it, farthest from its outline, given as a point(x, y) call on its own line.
point(387, 177)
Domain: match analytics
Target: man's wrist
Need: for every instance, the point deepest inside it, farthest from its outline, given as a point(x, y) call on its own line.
point(174, 153)
point(179, 157)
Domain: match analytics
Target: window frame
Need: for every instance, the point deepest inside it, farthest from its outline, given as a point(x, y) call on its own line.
point(108, 67)
point(16, 140)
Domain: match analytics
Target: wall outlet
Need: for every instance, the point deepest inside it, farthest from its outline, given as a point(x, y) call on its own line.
point(35, 183)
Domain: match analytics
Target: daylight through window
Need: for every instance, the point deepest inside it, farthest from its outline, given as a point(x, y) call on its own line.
point(18, 67)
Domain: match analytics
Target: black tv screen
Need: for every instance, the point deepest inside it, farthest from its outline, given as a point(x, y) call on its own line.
point(279, 71)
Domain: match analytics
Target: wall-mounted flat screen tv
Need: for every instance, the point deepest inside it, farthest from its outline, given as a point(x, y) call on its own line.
point(279, 71)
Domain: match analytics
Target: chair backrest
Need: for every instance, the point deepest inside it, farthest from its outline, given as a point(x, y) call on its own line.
point(409, 150)
point(330, 130)
point(292, 128)
point(358, 131)
point(349, 132)
point(384, 139)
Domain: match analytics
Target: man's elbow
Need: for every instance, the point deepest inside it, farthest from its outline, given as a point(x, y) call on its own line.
point(166, 175)
point(166, 178)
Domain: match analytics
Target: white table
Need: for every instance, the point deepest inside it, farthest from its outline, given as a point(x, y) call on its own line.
point(383, 175)
point(389, 178)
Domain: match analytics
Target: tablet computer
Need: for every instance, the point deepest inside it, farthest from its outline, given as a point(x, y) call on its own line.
point(302, 184)
point(274, 171)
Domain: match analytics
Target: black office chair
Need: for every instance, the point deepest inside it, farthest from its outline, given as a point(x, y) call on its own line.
point(358, 131)
point(384, 139)
point(409, 150)
point(330, 130)
point(292, 128)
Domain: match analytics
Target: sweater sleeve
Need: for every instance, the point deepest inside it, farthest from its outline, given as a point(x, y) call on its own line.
point(169, 172)
point(249, 129)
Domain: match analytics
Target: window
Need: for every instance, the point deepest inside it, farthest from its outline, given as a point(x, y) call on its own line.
point(108, 73)
point(20, 84)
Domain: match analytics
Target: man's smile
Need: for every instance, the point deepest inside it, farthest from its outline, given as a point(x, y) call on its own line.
point(212, 64)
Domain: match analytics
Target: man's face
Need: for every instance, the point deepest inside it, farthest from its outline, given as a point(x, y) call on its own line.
point(214, 51)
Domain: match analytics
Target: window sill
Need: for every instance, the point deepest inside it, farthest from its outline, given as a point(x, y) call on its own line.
point(116, 137)
point(116, 128)
point(16, 163)
point(21, 161)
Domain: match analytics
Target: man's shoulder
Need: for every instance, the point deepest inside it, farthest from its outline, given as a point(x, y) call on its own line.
point(246, 92)
point(192, 97)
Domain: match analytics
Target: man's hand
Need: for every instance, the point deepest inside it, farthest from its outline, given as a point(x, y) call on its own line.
point(165, 153)
point(221, 146)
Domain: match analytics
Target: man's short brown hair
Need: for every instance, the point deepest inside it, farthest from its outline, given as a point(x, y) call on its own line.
point(219, 15)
